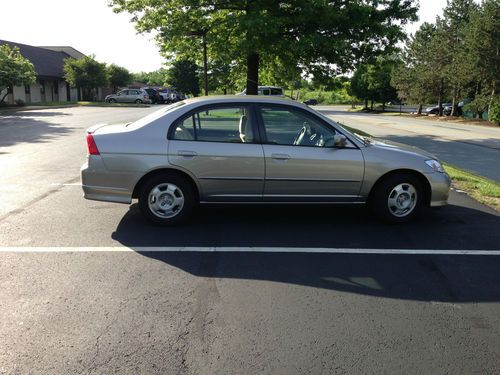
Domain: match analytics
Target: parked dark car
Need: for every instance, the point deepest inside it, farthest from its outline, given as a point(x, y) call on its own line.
point(311, 102)
point(154, 95)
point(434, 110)
point(448, 108)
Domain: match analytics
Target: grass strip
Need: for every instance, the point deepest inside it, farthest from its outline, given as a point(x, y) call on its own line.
point(480, 188)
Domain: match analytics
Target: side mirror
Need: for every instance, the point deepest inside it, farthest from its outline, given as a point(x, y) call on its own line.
point(339, 140)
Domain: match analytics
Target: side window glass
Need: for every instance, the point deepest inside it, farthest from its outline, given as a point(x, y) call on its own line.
point(123, 92)
point(228, 124)
point(293, 128)
point(266, 92)
point(276, 92)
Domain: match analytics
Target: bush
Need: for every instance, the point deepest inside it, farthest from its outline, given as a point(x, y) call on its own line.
point(20, 102)
point(494, 114)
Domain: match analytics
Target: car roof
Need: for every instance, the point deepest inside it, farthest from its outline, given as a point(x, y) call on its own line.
point(243, 99)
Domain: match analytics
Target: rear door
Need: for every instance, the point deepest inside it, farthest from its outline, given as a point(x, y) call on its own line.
point(219, 146)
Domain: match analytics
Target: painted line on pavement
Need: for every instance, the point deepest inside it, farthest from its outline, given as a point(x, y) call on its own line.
point(246, 249)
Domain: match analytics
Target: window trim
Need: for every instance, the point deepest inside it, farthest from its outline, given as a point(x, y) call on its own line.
point(192, 112)
point(322, 122)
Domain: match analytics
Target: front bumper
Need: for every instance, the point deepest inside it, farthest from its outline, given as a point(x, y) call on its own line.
point(440, 188)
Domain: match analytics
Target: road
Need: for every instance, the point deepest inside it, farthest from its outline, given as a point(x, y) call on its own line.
point(268, 291)
point(475, 148)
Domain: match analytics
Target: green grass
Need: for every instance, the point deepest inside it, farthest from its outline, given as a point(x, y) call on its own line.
point(480, 188)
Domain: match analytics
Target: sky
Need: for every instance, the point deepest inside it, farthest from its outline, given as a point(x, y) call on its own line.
point(92, 27)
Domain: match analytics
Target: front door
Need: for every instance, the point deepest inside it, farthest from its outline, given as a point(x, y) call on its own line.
point(217, 144)
point(302, 162)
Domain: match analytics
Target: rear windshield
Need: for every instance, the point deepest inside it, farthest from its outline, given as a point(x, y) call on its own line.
point(155, 115)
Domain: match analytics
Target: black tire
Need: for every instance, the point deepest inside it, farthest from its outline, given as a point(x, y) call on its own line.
point(186, 191)
point(379, 200)
point(112, 100)
point(138, 101)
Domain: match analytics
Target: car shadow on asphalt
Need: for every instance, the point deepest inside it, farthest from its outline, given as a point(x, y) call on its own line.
point(451, 227)
point(440, 278)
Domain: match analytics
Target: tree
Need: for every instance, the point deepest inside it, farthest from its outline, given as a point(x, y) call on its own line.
point(452, 46)
point(359, 84)
point(379, 80)
point(183, 75)
point(15, 70)
point(317, 36)
point(154, 78)
point(85, 73)
point(118, 76)
point(482, 38)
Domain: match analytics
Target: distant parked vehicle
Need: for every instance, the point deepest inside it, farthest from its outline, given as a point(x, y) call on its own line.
point(154, 95)
point(267, 91)
point(434, 110)
point(129, 96)
point(448, 108)
point(311, 102)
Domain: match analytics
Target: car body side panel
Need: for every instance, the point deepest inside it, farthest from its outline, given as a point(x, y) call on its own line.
point(313, 173)
point(224, 171)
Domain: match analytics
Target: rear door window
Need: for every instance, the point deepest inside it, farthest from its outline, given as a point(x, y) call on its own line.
point(222, 124)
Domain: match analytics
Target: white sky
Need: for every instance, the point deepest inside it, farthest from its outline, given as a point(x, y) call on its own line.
point(91, 27)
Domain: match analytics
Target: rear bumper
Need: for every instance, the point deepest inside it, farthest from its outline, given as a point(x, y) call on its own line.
point(95, 187)
point(440, 188)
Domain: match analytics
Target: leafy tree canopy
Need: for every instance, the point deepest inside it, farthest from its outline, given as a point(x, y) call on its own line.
point(15, 70)
point(314, 36)
point(183, 75)
point(118, 76)
point(86, 72)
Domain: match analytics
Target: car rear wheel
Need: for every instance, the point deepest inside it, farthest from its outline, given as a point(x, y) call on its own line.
point(138, 101)
point(167, 199)
point(397, 198)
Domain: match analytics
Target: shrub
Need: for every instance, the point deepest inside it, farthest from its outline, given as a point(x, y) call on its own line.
point(494, 114)
point(20, 102)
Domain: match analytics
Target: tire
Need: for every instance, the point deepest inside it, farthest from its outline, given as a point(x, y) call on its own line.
point(138, 101)
point(112, 100)
point(167, 199)
point(397, 198)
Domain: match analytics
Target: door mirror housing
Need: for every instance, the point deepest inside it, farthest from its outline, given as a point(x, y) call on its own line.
point(339, 140)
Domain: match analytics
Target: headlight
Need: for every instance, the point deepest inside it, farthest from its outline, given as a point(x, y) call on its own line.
point(435, 165)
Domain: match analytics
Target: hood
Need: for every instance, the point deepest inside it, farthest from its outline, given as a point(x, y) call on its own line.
point(399, 147)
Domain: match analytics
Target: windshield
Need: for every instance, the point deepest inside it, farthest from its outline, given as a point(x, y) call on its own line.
point(153, 116)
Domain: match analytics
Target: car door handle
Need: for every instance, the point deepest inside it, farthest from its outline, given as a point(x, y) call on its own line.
point(280, 156)
point(187, 153)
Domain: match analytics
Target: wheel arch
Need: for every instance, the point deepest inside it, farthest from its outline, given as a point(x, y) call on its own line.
point(424, 182)
point(160, 171)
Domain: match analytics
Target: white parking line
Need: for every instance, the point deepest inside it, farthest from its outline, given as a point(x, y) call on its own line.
point(246, 249)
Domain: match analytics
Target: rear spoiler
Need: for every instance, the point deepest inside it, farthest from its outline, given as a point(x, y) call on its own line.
point(93, 128)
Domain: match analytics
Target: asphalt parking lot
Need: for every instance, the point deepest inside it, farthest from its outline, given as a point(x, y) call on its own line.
point(90, 287)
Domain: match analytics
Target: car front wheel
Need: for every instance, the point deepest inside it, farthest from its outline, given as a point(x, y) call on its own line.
point(397, 198)
point(167, 199)
point(138, 101)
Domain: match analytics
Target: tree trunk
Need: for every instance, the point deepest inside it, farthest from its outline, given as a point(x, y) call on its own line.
point(252, 74)
point(3, 97)
point(366, 103)
point(440, 98)
point(383, 106)
point(419, 111)
point(371, 105)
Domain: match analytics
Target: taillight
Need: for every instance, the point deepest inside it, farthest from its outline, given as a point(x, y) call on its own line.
point(93, 150)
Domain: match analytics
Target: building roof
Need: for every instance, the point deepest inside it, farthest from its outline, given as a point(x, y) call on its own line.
point(47, 63)
point(70, 51)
